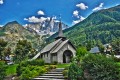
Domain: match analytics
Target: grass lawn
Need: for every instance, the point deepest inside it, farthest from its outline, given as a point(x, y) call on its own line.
point(11, 69)
point(63, 65)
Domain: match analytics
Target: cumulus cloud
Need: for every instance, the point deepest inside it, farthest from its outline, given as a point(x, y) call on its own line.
point(25, 25)
point(48, 18)
point(35, 19)
point(75, 13)
point(25, 19)
point(77, 21)
point(99, 7)
point(54, 17)
point(1, 2)
point(82, 6)
point(41, 12)
point(1, 25)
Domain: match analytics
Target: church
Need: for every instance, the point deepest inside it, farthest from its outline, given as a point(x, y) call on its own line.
point(61, 50)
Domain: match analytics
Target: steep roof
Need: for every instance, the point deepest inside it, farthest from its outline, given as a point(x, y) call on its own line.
point(50, 46)
point(94, 50)
point(56, 46)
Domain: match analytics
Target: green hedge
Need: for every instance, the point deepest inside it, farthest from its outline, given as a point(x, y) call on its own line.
point(30, 69)
point(30, 72)
point(75, 72)
point(100, 67)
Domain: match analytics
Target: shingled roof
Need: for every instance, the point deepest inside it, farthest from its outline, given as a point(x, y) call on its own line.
point(50, 46)
point(55, 46)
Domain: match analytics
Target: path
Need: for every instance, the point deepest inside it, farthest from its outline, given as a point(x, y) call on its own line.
point(54, 74)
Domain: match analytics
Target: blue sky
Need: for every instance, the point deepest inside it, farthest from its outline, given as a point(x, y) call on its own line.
point(32, 11)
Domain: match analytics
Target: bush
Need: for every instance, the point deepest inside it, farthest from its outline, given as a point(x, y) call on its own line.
point(75, 72)
point(100, 67)
point(55, 63)
point(38, 62)
point(31, 72)
point(52, 66)
point(65, 73)
point(30, 69)
point(2, 70)
point(117, 59)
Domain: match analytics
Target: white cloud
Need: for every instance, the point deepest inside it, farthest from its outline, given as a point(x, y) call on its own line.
point(48, 18)
point(117, 4)
point(81, 18)
point(25, 25)
point(54, 17)
point(1, 2)
point(1, 25)
point(82, 6)
point(41, 13)
point(99, 7)
point(75, 13)
point(25, 19)
point(77, 21)
point(57, 21)
point(35, 19)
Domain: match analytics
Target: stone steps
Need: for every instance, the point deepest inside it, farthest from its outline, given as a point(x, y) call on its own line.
point(47, 79)
point(54, 74)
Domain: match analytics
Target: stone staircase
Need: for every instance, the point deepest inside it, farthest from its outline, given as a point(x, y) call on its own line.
point(54, 74)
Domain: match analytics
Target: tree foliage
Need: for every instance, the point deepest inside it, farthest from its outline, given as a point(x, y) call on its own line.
point(75, 72)
point(100, 67)
point(23, 50)
point(116, 45)
point(2, 70)
point(3, 44)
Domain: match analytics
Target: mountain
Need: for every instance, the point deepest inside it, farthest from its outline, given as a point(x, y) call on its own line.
point(101, 26)
point(48, 27)
point(13, 31)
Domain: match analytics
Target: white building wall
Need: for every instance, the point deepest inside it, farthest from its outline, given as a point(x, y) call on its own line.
point(46, 58)
point(61, 51)
point(54, 57)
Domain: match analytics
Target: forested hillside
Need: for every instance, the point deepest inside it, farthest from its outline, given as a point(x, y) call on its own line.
point(12, 32)
point(101, 26)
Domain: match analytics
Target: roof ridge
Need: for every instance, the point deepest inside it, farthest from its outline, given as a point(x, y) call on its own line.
point(49, 45)
point(56, 46)
point(63, 44)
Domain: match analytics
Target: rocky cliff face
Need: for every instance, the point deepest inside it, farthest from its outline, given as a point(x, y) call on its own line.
point(47, 27)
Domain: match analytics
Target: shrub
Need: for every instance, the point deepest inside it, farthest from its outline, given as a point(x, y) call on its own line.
point(100, 67)
point(29, 72)
point(67, 67)
point(52, 66)
point(37, 62)
point(117, 59)
point(2, 70)
point(30, 69)
point(75, 72)
point(55, 63)
point(65, 73)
